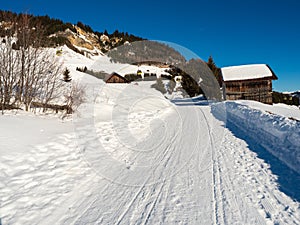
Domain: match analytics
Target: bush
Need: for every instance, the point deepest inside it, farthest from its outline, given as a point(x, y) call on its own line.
point(159, 85)
point(57, 41)
point(83, 69)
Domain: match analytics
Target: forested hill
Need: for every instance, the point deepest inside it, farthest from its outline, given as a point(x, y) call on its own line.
point(56, 32)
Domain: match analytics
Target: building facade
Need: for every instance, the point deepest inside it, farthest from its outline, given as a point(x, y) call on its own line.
point(248, 82)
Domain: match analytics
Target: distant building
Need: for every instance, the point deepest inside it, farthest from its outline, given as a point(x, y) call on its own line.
point(152, 63)
point(249, 82)
point(116, 78)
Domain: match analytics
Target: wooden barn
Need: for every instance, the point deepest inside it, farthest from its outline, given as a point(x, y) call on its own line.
point(116, 78)
point(249, 82)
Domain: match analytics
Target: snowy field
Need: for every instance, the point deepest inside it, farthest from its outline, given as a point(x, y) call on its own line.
point(130, 156)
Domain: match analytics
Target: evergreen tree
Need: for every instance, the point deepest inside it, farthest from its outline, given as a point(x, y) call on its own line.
point(80, 24)
point(216, 71)
point(67, 77)
point(116, 33)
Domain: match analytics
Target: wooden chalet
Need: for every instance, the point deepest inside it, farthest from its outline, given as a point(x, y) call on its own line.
point(248, 82)
point(116, 78)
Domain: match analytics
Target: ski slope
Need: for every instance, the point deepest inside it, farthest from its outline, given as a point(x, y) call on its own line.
point(130, 156)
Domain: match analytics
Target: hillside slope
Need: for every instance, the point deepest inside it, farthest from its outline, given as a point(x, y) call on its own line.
point(54, 32)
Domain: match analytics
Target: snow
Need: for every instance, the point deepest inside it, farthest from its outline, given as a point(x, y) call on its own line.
point(102, 63)
point(280, 134)
point(130, 156)
point(40, 129)
point(288, 111)
point(132, 69)
point(246, 72)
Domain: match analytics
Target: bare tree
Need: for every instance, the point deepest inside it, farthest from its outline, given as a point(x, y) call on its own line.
point(9, 68)
point(28, 72)
point(41, 78)
point(50, 86)
point(74, 97)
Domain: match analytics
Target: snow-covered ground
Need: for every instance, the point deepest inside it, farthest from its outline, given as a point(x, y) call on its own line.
point(130, 156)
point(280, 109)
point(267, 124)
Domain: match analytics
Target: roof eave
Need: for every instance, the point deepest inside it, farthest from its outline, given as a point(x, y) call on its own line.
point(274, 77)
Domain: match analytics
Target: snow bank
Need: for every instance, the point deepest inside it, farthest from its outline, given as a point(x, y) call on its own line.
point(277, 134)
point(289, 111)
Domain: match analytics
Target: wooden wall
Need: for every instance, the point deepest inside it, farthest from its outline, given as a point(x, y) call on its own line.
point(258, 90)
point(116, 79)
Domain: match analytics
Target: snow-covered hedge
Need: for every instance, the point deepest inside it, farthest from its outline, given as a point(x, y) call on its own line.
point(277, 134)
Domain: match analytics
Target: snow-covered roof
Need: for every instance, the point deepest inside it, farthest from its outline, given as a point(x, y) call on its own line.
point(247, 72)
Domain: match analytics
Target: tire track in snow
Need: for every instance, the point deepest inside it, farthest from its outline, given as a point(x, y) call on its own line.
point(168, 160)
point(203, 166)
point(167, 192)
point(168, 182)
point(157, 195)
point(126, 195)
point(222, 181)
point(162, 166)
point(175, 164)
point(164, 155)
point(147, 217)
point(218, 203)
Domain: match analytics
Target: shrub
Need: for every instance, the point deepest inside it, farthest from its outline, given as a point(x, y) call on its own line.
point(159, 85)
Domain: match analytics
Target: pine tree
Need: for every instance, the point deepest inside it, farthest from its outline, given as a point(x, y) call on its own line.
point(216, 71)
point(116, 33)
point(67, 77)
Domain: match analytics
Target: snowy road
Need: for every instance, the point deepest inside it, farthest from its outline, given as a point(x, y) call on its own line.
point(196, 180)
point(188, 170)
point(177, 186)
point(151, 162)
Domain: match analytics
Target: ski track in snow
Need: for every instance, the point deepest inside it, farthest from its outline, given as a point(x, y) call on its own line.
point(200, 173)
point(222, 182)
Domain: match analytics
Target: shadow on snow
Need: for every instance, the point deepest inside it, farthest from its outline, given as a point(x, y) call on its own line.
point(288, 179)
point(196, 101)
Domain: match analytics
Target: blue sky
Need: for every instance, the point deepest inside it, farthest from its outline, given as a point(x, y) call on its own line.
point(234, 32)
